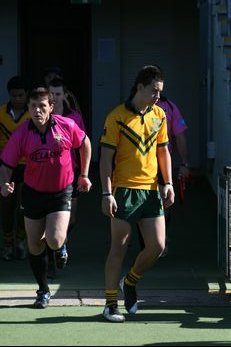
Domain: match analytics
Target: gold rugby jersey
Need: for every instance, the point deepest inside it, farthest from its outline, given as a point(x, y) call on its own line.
point(8, 124)
point(135, 138)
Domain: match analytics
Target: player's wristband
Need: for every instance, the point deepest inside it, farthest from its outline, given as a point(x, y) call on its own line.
point(86, 176)
point(106, 194)
point(168, 183)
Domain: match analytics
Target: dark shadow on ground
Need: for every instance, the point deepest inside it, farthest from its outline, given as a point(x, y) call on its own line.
point(187, 317)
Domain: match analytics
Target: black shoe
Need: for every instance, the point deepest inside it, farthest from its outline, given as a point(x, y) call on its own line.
point(61, 257)
point(112, 314)
point(130, 297)
point(42, 299)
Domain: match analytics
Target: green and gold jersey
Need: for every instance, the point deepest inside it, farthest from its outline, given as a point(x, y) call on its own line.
point(135, 138)
point(8, 124)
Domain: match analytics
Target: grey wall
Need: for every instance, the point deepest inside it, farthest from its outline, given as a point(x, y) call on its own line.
point(105, 65)
point(166, 33)
point(8, 44)
point(221, 108)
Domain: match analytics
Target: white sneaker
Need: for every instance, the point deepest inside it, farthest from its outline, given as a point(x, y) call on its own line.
point(112, 314)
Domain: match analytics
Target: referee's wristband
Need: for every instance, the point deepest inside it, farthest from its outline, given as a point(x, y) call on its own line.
point(106, 194)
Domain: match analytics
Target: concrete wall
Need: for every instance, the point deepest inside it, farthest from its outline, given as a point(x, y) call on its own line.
point(221, 110)
point(105, 65)
point(147, 32)
point(165, 33)
point(8, 44)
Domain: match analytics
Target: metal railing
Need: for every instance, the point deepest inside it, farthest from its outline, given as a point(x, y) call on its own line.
point(224, 221)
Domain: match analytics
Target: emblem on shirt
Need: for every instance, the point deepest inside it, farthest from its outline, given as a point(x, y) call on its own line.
point(156, 124)
point(58, 137)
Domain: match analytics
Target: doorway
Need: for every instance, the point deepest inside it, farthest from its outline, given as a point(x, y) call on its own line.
point(58, 33)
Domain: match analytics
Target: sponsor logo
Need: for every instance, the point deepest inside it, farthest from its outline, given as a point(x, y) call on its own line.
point(43, 155)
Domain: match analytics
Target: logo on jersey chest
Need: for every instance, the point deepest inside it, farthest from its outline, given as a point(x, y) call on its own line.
point(43, 155)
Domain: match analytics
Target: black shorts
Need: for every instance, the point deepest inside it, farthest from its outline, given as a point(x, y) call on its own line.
point(37, 205)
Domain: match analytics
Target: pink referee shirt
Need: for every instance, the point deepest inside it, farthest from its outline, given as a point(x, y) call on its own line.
point(175, 121)
point(77, 117)
point(49, 165)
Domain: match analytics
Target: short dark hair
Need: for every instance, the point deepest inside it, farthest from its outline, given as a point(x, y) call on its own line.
point(17, 82)
point(149, 73)
point(57, 82)
point(54, 69)
point(145, 77)
point(40, 92)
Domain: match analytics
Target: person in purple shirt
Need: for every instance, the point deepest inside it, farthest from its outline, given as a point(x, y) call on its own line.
point(53, 72)
point(176, 131)
point(46, 142)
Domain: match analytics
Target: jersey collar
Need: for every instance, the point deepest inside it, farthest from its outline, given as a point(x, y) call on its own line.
point(51, 123)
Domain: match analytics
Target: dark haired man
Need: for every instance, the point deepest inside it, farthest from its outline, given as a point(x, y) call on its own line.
point(46, 141)
point(134, 139)
point(12, 114)
point(53, 72)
